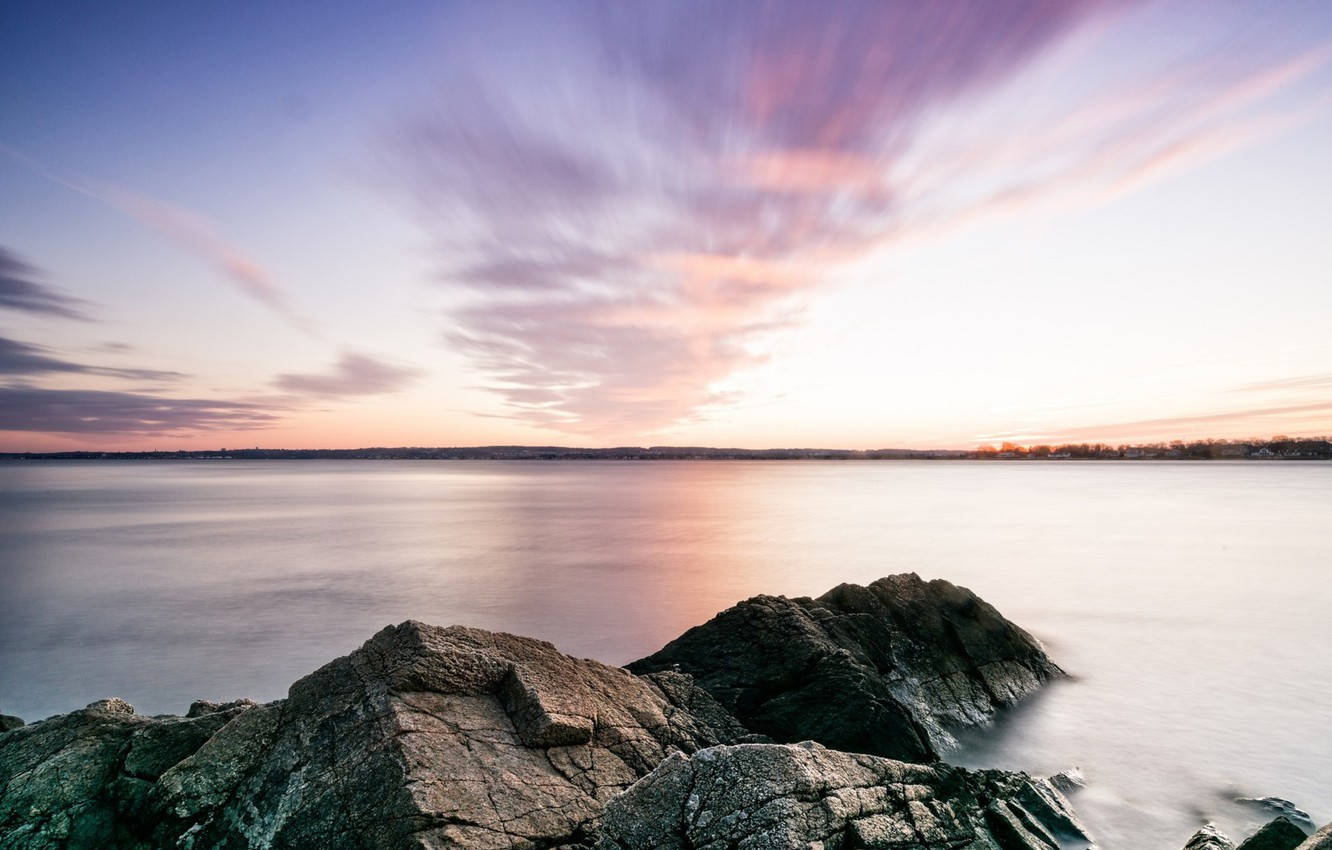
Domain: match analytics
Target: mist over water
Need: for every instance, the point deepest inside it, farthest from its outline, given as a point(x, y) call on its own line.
point(1191, 602)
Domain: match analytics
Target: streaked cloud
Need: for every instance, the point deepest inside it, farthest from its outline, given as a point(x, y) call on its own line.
point(189, 229)
point(1263, 420)
point(628, 227)
point(95, 412)
point(626, 232)
point(1300, 382)
point(353, 375)
point(21, 288)
point(196, 234)
point(25, 359)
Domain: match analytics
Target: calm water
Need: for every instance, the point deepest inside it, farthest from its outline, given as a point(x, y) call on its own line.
point(1192, 602)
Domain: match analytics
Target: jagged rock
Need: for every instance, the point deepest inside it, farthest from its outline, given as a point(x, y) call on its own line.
point(1280, 807)
point(779, 796)
point(1320, 840)
point(424, 737)
point(9, 721)
point(1069, 780)
point(80, 780)
point(887, 669)
point(200, 707)
point(113, 705)
point(1281, 833)
point(1209, 838)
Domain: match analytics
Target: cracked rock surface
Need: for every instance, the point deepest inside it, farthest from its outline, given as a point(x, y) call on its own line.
point(778, 796)
point(424, 737)
point(889, 669)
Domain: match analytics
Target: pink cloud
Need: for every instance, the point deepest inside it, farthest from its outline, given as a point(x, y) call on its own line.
point(196, 234)
point(624, 236)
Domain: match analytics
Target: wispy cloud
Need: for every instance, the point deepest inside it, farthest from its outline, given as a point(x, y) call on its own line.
point(21, 288)
point(627, 229)
point(1307, 418)
point(195, 233)
point(353, 375)
point(624, 232)
point(25, 359)
point(118, 413)
point(191, 230)
point(1300, 382)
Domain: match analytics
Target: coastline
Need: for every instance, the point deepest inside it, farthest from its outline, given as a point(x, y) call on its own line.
point(462, 738)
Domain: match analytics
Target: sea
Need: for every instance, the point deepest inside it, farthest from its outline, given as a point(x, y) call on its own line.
point(1189, 602)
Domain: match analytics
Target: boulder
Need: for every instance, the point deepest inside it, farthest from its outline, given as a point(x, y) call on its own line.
point(9, 721)
point(424, 737)
point(1281, 833)
point(780, 796)
point(890, 669)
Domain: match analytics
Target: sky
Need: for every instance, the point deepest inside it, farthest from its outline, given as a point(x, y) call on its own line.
point(851, 225)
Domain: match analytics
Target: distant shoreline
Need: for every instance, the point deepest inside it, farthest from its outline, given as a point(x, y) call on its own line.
point(1275, 449)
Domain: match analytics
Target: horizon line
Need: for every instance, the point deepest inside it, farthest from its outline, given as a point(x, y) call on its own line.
point(1004, 449)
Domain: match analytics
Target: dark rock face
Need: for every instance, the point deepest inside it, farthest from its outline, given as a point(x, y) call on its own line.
point(82, 779)
point(1281, 833)
point(424, 737)
point(774, 797)
point(9, 721)
point(887, 669)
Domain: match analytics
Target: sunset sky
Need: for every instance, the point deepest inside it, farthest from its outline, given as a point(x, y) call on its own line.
point(845, 225)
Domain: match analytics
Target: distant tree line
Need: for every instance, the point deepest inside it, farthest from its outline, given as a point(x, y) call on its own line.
point(1302, 448)
point(1280, 447)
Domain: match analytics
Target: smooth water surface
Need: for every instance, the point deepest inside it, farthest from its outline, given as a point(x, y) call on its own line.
point(1192, 602)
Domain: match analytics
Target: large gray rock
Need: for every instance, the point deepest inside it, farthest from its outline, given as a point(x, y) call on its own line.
point(424, 737)
point(1280, 833)
point(778, 797)
point(890, 669)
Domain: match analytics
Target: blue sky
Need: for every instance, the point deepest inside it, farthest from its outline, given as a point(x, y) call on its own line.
point(741, 224)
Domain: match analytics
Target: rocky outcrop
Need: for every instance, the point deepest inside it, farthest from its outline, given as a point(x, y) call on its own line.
point(774, 797)
point(83, 779)
point(424, 737)
point(889, 669)
point(1281, 833)
point(9, 721)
